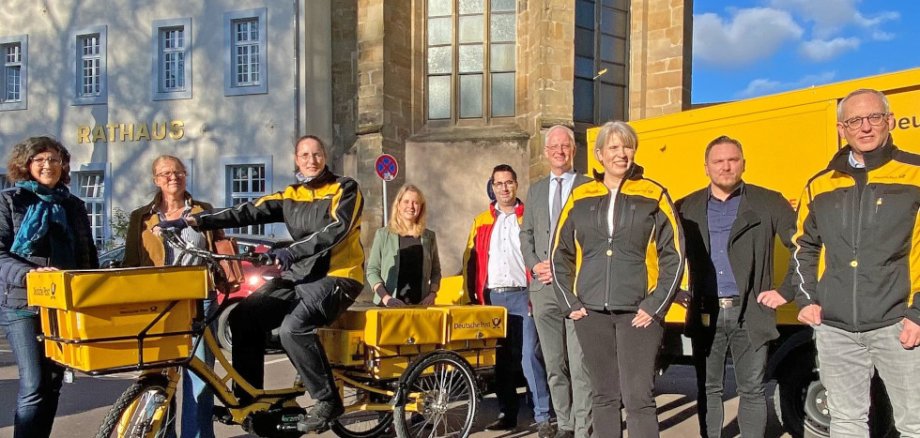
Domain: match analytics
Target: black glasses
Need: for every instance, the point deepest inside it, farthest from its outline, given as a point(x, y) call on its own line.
point(875, 119)
point(507, 184)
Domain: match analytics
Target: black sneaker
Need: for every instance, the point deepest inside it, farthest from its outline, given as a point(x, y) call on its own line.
point(320, 416)
point(562, 433)
point(504, 422)
point(545, 429)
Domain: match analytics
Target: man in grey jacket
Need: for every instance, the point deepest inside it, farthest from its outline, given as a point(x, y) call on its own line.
point(568, 380)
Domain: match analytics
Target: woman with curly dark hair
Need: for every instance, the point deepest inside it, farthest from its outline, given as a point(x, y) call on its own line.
point(43, 227)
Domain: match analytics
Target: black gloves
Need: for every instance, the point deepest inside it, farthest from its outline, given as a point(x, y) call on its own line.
point(283, 257)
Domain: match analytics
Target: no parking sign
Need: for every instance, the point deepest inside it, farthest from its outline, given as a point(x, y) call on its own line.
point(386, 168)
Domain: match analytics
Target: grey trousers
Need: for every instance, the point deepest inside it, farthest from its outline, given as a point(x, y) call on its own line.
point(847, 363)
point(569, 385)
point(709, 353)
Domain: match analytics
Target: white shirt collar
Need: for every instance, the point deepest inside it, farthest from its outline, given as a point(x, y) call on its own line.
point(855, 164)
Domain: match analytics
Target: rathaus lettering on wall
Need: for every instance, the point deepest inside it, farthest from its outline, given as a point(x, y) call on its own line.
point(123, 132)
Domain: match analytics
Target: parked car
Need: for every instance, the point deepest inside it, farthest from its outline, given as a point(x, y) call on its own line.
point(112, 258)
point(253, 278)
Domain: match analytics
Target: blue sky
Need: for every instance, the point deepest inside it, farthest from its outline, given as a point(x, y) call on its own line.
point(748, 48)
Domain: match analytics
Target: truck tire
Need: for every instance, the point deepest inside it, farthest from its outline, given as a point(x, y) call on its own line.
point(799, 397)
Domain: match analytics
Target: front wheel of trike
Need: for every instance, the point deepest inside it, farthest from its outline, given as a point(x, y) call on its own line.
point(440, 399)
point(144, 410)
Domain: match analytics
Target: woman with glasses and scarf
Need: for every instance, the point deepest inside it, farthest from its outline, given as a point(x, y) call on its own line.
point(143, 247)
point(43, 227)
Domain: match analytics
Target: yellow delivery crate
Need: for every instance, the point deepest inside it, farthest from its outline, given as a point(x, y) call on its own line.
point(387, 341)
point(110, 319)
point(404, 326)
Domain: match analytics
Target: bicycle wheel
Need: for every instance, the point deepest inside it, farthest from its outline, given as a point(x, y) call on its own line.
point(362, 424)
point(144, 410)
point(444, 388)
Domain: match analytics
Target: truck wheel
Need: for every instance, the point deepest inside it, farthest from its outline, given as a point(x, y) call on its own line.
point(800, 399)
point(224, 336)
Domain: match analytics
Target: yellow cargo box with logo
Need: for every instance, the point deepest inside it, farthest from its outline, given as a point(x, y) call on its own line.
point(787, 139)
point(387, 339)
point(105, 320)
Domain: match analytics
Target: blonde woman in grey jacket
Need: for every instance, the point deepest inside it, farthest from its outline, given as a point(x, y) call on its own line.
point(403, 266)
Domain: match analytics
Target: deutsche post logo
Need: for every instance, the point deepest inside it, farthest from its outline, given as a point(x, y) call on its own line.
point(45, 291)
point(496, 322)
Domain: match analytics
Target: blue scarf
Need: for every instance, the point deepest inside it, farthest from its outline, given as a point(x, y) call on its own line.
point(37, 221)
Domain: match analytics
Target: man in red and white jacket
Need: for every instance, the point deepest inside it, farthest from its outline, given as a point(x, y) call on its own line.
point(494, 273)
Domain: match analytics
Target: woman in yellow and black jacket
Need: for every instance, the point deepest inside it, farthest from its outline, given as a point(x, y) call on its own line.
point(617, 258)
point(322, 274)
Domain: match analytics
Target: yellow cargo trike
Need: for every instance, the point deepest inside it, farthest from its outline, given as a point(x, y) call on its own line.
point(415, 371)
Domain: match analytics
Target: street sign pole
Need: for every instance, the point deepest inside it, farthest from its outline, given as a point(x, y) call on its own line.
point(385, 208)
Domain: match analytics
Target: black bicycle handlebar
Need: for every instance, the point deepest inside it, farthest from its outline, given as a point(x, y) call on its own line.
point(173, 238)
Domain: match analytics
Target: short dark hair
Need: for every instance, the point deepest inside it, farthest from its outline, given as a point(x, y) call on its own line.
point(722, 139)
point(318, 141)
point(504, 168)
point(17, 168)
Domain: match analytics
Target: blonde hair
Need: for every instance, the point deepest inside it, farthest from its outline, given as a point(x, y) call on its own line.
point(397, 224)
point(162, 158)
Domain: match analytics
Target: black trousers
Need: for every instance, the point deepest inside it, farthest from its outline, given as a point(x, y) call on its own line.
point(620, 360)
point(298, 309)
point(709, 353)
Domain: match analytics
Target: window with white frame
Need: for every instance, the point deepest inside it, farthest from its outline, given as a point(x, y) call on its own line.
point(13, 83)
point(246, 182)
point(247, 69)
point(90, 65)
point(91, 189)
point(172, 63)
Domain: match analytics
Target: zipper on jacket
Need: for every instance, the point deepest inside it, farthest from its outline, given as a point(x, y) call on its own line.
point(609, 261)
point(617, 208)
point(856, 236)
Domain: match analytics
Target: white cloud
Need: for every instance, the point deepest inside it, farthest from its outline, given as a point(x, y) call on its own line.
point(831, 16)
point(823, 50)
point(879, 35)
point(750, 35)
point(761, 86)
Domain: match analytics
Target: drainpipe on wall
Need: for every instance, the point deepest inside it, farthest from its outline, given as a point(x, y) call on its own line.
point(297, 131)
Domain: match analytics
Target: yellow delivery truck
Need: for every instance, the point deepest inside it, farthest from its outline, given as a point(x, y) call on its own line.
point(787, 138)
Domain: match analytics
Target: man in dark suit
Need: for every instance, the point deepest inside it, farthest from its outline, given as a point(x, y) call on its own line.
point(730, 228)
point(568, 381)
